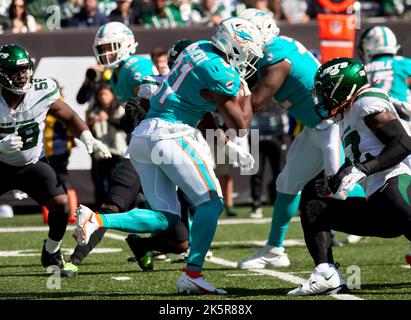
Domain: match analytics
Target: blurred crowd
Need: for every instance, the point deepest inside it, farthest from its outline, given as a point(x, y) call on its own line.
point(21, 16)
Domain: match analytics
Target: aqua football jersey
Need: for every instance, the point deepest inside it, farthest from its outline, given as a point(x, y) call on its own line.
point(295, 93)
point(197, 68)
point(132, 72)
point(392, 73)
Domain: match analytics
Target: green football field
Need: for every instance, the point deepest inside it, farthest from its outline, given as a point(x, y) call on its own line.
point(376, 265)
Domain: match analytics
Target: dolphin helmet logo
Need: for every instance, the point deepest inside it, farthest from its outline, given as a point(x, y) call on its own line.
point(241, 34)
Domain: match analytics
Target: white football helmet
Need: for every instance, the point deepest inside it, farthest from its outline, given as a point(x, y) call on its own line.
point(113, 43)
point(264, 21)
point(242, 43)
point(375, 41)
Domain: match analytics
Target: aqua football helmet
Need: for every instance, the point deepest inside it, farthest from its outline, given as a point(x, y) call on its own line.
point(241, 42)
point(264, 21)
point(113, 43)
point(376, 41)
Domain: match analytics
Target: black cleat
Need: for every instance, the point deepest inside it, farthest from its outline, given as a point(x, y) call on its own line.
point(51, 259)
point(143, 257)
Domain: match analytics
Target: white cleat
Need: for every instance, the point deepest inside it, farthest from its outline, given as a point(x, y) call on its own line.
point(196, 286)
point(86, 225)
point(329, 282)
point(266, 258)
point(352, 239)
point(257, 213)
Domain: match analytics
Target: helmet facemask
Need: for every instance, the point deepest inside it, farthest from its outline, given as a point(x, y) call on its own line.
point(19, 79)
point(241, 42)
point(111, 54)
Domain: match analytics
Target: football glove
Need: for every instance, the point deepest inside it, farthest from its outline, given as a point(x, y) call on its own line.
point(246, 89)
point(11, 143)
point(94, 146)
point(132, 107)
point(346, 178)
point(245, 159)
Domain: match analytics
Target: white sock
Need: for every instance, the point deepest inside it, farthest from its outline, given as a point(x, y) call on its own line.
point(52, 246)
point(325, 267)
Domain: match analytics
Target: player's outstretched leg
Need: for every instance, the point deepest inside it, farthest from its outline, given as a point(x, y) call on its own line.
point(203, 229)
point(136, 220)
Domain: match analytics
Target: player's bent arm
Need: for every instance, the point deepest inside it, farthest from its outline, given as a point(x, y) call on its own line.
point(235, 116)
point(389, 131)
point(69, 117)
point(271, 80)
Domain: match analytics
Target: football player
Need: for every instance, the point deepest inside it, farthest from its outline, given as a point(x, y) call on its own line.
point(165, 153)
point(24, 104)
point(378, 49)
point(114, 48)
point(377, 146)
point(286, 72)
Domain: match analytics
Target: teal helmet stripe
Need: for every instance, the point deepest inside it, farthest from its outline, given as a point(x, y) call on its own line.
point(102, 31)
point(385, 36)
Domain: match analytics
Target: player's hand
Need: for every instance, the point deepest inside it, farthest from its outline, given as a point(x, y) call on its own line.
point(346, 178)
point(11, 143)
point(245, 159)
point(132, 107)
point(94, 146)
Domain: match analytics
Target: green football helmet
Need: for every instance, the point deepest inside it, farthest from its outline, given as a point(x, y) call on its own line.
point(176, 49)
point(335, 83)
point(16, 69)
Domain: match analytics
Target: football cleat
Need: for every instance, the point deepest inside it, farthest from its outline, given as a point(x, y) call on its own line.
point(329, 282)
point(69, 270)
point(257, 213)
point(408, 258)
point(196, 285)
point(142, 257)
point(352, 239)
point(266, 258)
point(86, 225)
point(51, 259)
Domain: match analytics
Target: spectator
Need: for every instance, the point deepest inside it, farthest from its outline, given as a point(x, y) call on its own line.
point(88, 16)
point(209, 12)
point(124, 13)
point(95, 76)
point(38, 9)
point(69, 9)
point(21, 22)
point(295, 11)
point(104, 119)
point(162, 15)
point(159, 58)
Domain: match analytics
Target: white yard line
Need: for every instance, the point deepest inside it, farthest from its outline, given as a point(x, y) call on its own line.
point(71, 227)
point(285, 276)
point(288, 277)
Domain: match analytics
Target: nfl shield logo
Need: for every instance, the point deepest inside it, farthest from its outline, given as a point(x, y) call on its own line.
point(336, 27)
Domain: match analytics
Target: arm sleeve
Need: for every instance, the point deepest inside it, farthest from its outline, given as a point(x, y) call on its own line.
point(397, 148)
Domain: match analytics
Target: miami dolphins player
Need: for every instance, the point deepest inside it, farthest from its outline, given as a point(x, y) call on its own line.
point(377, 145)
point(378, 49)
point(24, 104)
point(114, 48)
point(286, 72)
point(165, 153)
